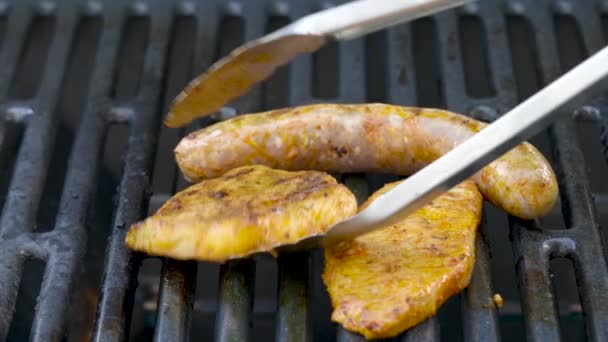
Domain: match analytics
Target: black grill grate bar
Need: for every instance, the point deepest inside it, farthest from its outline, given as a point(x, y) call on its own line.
point(351, 77)
point(450, 61)
point(176, 284)
point(8, 292)
point(480, 318)
point(292, 313)
point(237, 276)
point(292, 320)
point(534, 247)
point(176, 298)
point(68, 239)
point(475, 299)
point(178, 278)
point(235, 301)
point(401, 76)
point(535, 287)
point(116, 295)
point(29, 175)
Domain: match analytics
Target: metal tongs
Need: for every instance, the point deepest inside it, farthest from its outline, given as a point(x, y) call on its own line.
point(253, 62)
point(584, 82)
point(564, 95)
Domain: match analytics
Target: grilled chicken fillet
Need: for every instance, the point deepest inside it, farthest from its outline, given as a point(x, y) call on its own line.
point(389, 280)
point(247, 210)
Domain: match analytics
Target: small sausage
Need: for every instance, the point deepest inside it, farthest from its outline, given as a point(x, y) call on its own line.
point(366, 138)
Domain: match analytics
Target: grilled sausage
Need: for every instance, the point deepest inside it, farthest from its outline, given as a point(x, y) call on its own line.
point(366, 138)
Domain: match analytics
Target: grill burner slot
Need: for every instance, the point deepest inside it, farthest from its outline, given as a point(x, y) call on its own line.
point(429, 86)
point(325, 72)
point(33, 271)
point(72, 97)
point(128, 75)
point(478, 74)
point(33, 57)
point(563, 281)
point(376, 67)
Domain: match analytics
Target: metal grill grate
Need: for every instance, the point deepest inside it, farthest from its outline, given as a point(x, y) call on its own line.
point(83, 86)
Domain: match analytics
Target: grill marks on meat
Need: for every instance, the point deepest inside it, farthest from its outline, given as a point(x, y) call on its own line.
point(248, 210)
point(387, 281)
point(357, 138)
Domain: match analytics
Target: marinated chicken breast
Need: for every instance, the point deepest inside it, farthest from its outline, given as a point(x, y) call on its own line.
point(389, 280)
point(366, 138)
point(247, 210)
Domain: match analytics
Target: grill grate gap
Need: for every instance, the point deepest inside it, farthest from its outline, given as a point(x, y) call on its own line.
point(3, 22)
point(429, 85)
point(206, 303)
point(11, 135)
point(29, 288)
point(563, 281)
point(325, 72)
point(572, 50)
point(604, 20)
point(71, 103)
point(178, 74)
point(450, 319)
point(478, 75)
point(502, 269)
point(98, 225)
point(232, 34)
point(376, 67)
point(524, 54)
point(321, 326)
point(167, 178)
point(276, 90)
point(570, 44)
point(115, 144)
point(145, 301)
point(526, 69)
point(32, 60)
point(131, 58)
point(236, 277)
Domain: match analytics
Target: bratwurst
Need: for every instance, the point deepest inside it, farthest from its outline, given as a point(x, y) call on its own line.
point(366, 138)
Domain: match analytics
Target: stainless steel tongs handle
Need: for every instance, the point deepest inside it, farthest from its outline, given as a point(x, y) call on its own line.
point(357, 18)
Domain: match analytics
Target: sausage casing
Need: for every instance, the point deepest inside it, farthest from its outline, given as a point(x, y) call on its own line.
point(366, 138)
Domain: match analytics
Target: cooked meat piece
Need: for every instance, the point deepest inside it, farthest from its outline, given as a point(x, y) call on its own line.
point(389, 280)
point(247, 210)
point(366, 138)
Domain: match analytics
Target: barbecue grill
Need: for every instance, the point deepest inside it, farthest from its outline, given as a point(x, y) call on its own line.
point(83, 154)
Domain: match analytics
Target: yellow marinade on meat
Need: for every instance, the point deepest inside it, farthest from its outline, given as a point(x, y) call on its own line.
point(387, 281)
point(247, 210)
